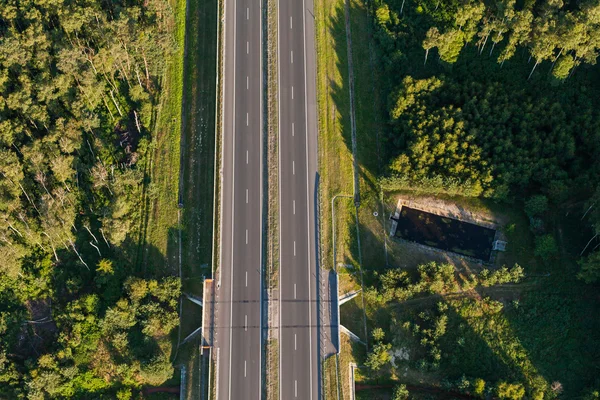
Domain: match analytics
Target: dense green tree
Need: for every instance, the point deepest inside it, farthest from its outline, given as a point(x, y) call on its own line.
point(590, 268)
point(401, 393)
point(510, 391)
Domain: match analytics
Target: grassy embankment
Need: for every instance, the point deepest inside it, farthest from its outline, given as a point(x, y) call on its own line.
point(335, 153)
point(198, 158)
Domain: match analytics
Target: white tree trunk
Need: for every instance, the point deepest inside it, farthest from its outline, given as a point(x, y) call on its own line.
point(588, 243)
point(533, 69)
point(588, 210)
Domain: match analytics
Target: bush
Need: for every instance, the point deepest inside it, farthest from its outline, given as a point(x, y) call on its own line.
point(545, 247)
point(536, 205)
point(510, 391)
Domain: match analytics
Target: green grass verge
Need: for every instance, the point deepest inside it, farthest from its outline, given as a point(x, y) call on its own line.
point(198, 165)
point(330, 378)
point(335, 155)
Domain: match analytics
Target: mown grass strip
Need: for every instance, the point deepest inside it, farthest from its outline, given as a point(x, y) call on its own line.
point(158, 238)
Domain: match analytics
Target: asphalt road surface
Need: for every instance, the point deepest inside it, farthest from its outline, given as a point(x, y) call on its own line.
point(299, 341)
point(238, 334)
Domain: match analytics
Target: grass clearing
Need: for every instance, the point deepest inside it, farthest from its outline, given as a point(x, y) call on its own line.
point(159, 228)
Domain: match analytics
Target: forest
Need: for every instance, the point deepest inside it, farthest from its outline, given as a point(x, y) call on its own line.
point(495, 100)
point(490, 103)
point(79, 85)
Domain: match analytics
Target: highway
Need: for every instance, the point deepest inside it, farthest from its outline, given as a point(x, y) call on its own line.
point(238, 299)
point(298, 314)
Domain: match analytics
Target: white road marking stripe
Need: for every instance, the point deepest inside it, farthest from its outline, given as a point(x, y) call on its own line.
point(246, 196)
point(247, 47)
point(245, 368)
point(246, 278)
point(246, 156)
point(292, 56)
point(294, 207)
point(247, 82)
point(291, 25)
point(292, 93)
point(295, 342)
point(295, 291)
point(246, 236)
point(296, 388)
point(246, 119)
point(294, 248)
point(292, 129)
point(246, 323)
point(247, 12)
point(294, 167)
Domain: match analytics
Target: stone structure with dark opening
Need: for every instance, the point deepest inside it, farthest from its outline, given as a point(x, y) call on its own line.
point(444, 233)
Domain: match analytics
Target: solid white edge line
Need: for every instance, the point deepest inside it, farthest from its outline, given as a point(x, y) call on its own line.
point(307, 202)
point(279, 369)
point(232, 198)
point(260, 240)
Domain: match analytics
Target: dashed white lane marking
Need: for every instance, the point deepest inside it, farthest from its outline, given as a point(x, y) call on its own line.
point(295, 342)
point(246, 156)
point(247, 83)
point(292, 57)
point(294, 247)
point(247, 12)
point(294, 207)
point(245, 369)
point(294, 167)
point(247, 47)
point(246, 196)
point(292, 129)
point(292, 93)
point(246, 278)
point(295, 291)
point(296, 388)
point(246, 236)
point(291, 25)
point(246, 119)
point(246, 323)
